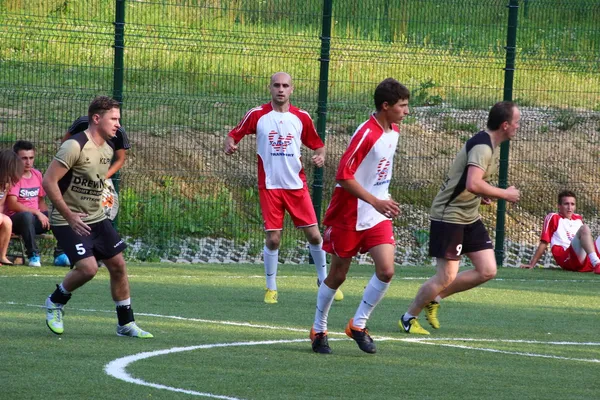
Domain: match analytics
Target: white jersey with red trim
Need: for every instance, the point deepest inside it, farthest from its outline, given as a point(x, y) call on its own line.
point(279, 136)
point(369, 159)
point(560, 231)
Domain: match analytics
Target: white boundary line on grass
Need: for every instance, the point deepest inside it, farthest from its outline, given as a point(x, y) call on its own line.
point(116, 368)
point(396, 278)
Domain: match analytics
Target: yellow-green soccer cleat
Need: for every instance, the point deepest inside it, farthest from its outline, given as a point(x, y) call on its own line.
point(54, 316)
point(132, 330)
point(270, 296)
point(431, 312)
point(412, 326)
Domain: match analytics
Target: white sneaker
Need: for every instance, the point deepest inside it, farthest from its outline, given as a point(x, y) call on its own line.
point(34, 261)
point(131, 329)
point(54, 316)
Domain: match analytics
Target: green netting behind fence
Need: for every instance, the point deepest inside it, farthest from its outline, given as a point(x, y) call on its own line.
point(193, 68)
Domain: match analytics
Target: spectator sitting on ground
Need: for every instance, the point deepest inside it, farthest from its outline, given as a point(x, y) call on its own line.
point(571, 242)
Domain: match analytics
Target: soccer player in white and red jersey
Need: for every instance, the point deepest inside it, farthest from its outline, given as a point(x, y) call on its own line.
point(280, 130)
point(571, 242)
point(358, 218)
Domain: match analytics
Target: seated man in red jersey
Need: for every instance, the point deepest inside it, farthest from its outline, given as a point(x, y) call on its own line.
point(571, 242)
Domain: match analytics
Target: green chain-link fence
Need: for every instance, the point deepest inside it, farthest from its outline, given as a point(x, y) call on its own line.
point(187, 71)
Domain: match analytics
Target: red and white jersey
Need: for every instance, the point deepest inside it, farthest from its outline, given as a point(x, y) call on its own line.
point(278, 140)
point(560, 231)
point(369, 159)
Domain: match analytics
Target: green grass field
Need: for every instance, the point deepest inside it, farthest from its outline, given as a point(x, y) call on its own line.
point(528, 334)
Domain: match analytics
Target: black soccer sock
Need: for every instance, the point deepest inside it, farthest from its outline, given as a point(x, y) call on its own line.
point(125, 315)
point(59, 297)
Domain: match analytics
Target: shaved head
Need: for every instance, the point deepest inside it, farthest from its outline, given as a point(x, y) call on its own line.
point(281, 75)
point(281, 88)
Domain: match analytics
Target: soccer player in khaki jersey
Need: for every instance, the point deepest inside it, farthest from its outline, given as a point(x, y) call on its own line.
point(456, 226)
point(74, 182)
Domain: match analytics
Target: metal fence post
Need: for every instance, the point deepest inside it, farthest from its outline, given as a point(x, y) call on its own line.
point(118, 68)
point(322, 102)
point(317, 194)
point(509, 72)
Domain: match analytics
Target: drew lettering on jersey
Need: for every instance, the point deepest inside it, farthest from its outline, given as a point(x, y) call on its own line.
point(86, 186)
point(29, 193)
point(280, 143)
point(383, 169)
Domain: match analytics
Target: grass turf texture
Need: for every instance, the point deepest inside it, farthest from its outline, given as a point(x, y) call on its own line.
point(526, 309)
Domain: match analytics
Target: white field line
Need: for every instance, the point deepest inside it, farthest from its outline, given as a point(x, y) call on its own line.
point(396, 278)
point(411, 339)
point(117, 368)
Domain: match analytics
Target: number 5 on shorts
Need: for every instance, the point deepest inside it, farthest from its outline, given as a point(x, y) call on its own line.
point(81, 250)
point(458, 249)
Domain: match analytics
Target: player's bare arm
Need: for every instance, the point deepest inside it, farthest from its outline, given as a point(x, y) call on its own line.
point(389, 207)
point(50, 184)
point(118, 162)
point(539, 252)
point(477, 185)
point(318, 157)
point(230, 146)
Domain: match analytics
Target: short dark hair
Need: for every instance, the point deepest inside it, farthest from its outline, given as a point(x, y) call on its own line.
point(390, 91)
point(11, 169)
point(565, 193)
point(101, 105)
point(22, 145)
point(501, 112)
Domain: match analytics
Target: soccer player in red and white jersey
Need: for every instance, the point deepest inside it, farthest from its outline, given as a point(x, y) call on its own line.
point(280, 130)
point(571, 242)
point(358, 218)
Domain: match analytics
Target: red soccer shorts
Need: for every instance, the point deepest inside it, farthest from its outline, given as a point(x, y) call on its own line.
point(348, 243)
point(297, 202)
point(567, 259)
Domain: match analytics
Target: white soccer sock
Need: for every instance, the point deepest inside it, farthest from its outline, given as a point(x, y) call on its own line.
point(437, 299)
point(407, 316)
point(62, 289)
point(373, 294)
point(594, 258)
point(324, 300)
point(271, 258)
point(126, 302)
point(318, 255)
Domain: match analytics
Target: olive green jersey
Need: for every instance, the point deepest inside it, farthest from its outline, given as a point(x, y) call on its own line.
point(82, 185)
point(454, 203)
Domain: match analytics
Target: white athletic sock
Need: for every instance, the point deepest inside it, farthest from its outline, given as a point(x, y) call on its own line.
point(594, 258)
point(62, 289)
point(437, 299)
point(318, 255)
point(407, 316)
point(271, 258)
point(126, 302)
point(324, 300)
point(373, 294)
